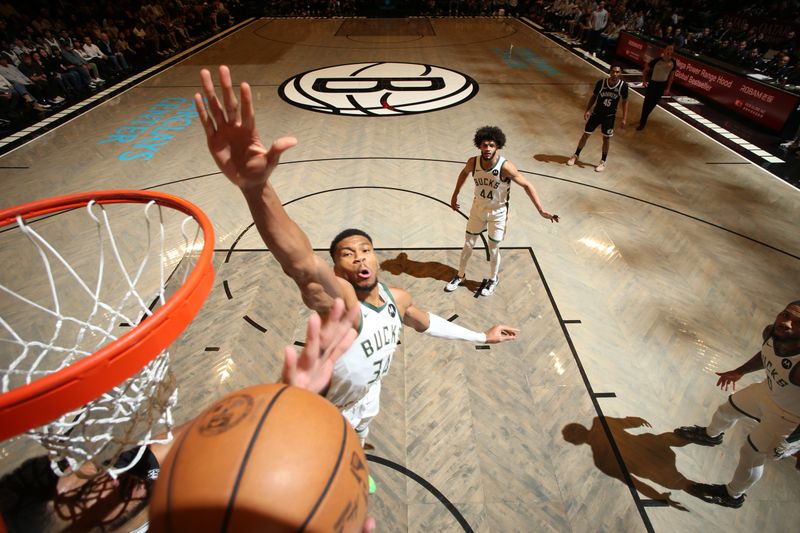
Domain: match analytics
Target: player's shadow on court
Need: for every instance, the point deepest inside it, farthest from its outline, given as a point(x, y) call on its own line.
point(647, 456)
point(424, 269)
point(559, 159)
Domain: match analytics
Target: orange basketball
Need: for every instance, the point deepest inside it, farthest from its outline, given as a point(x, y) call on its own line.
point(265, 458)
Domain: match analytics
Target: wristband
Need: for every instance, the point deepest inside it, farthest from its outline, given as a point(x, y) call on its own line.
point(439, 327)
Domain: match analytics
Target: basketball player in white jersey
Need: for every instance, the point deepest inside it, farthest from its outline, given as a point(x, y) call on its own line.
point(602, 111)
point(355, 387)
point(774, 403)
point(492, 175)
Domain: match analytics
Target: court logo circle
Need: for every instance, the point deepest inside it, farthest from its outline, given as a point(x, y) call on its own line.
point(378, 89)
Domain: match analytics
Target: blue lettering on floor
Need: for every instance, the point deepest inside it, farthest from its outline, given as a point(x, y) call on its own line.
point(149, 132)
point(526, 58)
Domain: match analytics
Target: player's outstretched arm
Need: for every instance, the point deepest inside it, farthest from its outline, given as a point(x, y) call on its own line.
point(231, 134)
point(325, 342)
point(430, 324)
point(236, 147)
point(511, 171)
point(730, 377)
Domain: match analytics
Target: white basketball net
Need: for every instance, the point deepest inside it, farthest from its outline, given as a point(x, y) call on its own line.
point(78, 310)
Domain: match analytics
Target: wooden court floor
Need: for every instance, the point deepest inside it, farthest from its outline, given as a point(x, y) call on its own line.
point(664, 269)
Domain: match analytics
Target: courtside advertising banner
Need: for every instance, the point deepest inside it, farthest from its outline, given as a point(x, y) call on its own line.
point(762, 103)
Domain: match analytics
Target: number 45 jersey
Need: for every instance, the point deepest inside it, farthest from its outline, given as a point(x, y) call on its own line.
point(491, 190)
point(370, 356)
point(608, 96)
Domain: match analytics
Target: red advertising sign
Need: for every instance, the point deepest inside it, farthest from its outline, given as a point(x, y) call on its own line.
point(759, 102)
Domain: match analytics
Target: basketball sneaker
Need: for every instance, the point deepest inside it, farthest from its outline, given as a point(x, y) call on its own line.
point(601, 167)
point(698, 435)
point(489, 288)
point(454, 283)
point(572, 160)
point(716, 494)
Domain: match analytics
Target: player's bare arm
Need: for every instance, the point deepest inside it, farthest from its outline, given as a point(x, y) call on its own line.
point(430, 324)
point(730, 377)
point(236, 147)
point(462, 177)
point(624, 112)
point(511, 171)
point(589, 107)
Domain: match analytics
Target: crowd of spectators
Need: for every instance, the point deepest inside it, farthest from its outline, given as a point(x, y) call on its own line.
point(440, 8)
point(713, 28)
point(55, 53)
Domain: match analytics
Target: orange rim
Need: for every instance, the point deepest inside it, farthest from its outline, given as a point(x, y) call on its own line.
point(49, 397)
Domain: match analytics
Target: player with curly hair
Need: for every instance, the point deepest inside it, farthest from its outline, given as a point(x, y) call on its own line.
point(492, 174)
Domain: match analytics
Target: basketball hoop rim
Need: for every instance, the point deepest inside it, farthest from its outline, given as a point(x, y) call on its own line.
point(44, 400)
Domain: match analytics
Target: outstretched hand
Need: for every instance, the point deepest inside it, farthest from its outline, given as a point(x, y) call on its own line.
point(325, 343)
point(728, 379)
point(500, 333)
point(454, 205)
point(552, 217)
point(231, 132)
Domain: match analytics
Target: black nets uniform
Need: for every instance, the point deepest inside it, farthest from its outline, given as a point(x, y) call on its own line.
point(605, 109)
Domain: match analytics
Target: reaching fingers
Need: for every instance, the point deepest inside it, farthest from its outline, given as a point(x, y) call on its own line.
point(228, 96)
point(501, 333)
point(508, 330)
point(312, 348)
point(338, 332)
point(208, 125)
point(277, 148)
point(336, 311)
point(211, 96)
point(335, 351)
point(248, 112)
point(353, 314)
point(289, 374)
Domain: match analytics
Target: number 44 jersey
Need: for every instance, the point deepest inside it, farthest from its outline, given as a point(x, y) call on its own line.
point(491, 189)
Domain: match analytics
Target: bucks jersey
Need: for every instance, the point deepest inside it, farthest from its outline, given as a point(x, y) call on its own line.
point(782, 391)
point(369, 357)
point(491, 190)
point(608, 96)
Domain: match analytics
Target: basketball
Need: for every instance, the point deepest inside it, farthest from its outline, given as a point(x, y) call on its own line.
point(264, 458)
